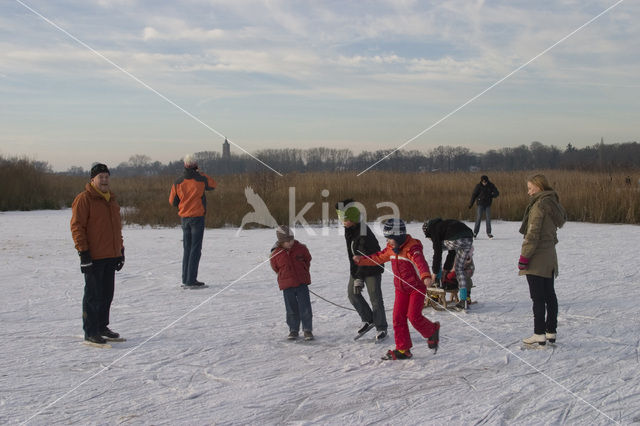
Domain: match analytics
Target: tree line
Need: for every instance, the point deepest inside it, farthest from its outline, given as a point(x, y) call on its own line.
point(599, 157)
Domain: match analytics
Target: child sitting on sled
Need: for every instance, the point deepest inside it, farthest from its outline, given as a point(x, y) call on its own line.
point(450, 281)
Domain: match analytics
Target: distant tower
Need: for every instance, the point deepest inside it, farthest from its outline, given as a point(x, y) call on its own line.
point(226, 149)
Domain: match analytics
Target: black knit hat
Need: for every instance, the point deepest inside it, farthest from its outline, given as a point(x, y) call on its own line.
point(99, 168)
point(395, 229)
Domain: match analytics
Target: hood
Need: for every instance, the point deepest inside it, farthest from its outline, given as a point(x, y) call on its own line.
point(552, 207)
point(190, 173)
point(427, 227)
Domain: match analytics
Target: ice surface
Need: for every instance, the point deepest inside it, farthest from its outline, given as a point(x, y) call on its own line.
point(220, 355)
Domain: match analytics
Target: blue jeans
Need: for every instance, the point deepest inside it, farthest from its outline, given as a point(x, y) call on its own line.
point(192, 233)
point(298, 304)
point(487, 211)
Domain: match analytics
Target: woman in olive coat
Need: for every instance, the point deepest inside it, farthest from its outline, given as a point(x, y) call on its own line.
point(538, 258)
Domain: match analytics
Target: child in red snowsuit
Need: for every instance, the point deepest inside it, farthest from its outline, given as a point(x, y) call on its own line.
point(411, 279)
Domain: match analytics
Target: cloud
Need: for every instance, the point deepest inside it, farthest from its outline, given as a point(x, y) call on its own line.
point(179, 30)
point(150, 33)
point(239, 55)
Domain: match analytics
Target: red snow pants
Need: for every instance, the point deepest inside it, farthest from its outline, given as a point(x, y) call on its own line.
point(409, 306)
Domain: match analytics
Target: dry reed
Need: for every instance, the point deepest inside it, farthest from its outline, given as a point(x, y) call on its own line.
point(587, 196)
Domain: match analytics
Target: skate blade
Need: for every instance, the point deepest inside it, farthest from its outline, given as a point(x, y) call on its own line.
point(97, 345)
point(532, 346)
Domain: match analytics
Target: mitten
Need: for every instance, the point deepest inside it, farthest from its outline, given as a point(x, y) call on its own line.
point(85, 261)
point(523, 263)
point(120, 261)
point(358, 284)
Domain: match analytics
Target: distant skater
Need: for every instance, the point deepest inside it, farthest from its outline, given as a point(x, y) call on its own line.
point(361, 240)
point(291, 261)
point(188, 195)
point(484, 193)
point(96, 229)
point(411, 279)
point(538, 258)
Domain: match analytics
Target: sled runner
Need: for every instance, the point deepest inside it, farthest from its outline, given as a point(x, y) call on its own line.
point(437, 298)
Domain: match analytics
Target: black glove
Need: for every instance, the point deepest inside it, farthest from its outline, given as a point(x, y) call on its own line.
point(85, 261)
point(470, 205)
point(120, 261)
point(358, 284)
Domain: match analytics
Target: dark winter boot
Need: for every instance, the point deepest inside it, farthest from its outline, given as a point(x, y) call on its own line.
point(381, 335)
point(396, 354)
point(366, 326)
point(95, 339)
point(293, 335)
point(434, 339)
point(106, 332)
point(463, 304)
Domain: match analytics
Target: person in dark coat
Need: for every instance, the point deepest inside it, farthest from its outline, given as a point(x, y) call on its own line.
point(361, 241)
point(457, 238)
point(484, 193)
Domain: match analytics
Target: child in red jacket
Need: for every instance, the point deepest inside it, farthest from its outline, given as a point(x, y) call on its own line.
point(291, 260)
point(411, 279)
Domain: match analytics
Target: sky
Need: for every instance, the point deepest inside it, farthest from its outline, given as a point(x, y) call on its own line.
point(103, 80)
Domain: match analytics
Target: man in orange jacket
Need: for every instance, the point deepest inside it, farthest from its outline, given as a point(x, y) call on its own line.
point(96, 229)
point(187, 194)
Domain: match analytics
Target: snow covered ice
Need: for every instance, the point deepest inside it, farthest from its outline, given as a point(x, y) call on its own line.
point(220, 355)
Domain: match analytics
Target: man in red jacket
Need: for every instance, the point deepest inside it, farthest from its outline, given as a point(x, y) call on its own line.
point(97, 233)
point(187, 194)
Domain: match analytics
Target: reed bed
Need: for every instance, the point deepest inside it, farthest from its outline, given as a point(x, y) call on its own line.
point(587, 196)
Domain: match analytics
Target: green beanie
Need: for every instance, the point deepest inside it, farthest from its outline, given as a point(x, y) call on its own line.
point(351, 214)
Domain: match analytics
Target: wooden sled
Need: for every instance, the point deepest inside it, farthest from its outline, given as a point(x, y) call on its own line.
point(437, 298)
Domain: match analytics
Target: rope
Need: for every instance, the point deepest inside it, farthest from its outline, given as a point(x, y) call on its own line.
point(329, 301)
point(340, 306)
point(386, 310)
